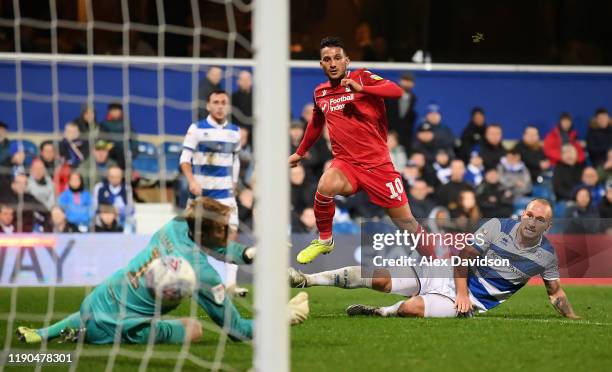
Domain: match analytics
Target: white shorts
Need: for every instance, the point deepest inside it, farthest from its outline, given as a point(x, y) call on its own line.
point(438, 292)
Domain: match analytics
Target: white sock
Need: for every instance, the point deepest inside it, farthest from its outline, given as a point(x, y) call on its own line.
point(231, 272)
point(346, 277)
point(390, 310)
point(328, 241)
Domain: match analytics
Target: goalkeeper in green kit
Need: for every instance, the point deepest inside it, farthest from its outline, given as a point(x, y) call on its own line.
point(125, 304)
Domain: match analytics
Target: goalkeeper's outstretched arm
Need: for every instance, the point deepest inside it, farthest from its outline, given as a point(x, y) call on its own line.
point(558, 299)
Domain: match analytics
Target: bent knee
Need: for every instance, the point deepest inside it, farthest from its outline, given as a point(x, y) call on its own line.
point(381, 280)
point(414, 307)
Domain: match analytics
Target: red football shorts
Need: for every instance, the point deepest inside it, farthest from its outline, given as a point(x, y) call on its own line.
point(383, 184)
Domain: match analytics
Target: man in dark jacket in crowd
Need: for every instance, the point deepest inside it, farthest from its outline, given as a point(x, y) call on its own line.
point(424, 142)
point(493, 199)
point(491, 149)
point(4, 142)
point(242, 100)
point(599, 137)
point(448, 194)
point(210, 83)
point(473, 133)
point(567, 173)
point(420, 203)
point(532, 154)
point(29, 212)
point(444, 138)
point(400, 112)
point(113, 130)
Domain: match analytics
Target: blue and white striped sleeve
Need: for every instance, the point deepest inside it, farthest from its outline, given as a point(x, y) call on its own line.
point(190, 144)
point(486, 234)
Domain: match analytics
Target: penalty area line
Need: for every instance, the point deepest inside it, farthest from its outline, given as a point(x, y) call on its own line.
point(560, 321)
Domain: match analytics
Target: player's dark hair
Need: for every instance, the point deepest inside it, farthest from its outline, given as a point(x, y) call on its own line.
point(601, 110)
point(495, 125)
point(332, 41)
point(114, 105)
point(216, 91)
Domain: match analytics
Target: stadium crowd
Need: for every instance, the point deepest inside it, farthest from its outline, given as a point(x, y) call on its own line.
point(79, 184)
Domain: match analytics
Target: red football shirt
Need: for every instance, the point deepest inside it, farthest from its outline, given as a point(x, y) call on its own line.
point(356, 121)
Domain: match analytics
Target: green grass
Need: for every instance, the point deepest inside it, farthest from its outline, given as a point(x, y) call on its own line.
point(524, 334)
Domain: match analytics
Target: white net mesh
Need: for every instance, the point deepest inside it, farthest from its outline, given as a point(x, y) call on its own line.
point(158, 86)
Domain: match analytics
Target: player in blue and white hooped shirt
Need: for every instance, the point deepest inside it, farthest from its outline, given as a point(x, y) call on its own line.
point(211, 165)
point(461, 290)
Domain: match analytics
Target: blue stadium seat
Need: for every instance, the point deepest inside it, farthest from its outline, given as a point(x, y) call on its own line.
point(147, 159)
point(560, 208)
point(544, 191)
point(172, 151)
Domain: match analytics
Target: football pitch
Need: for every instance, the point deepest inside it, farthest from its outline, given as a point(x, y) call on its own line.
point(524, 334)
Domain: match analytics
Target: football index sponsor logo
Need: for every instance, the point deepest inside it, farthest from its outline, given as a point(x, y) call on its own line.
point(336, 104)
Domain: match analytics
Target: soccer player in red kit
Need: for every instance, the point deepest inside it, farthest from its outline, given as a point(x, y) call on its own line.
point(352, 105)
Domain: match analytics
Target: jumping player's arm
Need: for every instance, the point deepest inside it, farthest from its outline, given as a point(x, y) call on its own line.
point(484, 236)
point(190, 145)
point(373, 84)
point(312, 134)
point(558, 299)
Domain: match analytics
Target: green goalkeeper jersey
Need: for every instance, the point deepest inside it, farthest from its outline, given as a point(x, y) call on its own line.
point(124, 297)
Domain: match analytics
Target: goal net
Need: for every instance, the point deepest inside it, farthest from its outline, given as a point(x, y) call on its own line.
point(129, 77)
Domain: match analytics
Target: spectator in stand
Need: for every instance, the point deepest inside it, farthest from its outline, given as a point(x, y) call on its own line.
point(410, 174)
point(491, 148)
point(301, 192)
point(567, 173)
point(425, 169)
point(599, 137)
point(532, 154)
point(31, 215)
point(77, 202)
point(210, 83)
point(246, 156)
point(317, 157)
point(59, 223)
point(560, 135)
point(605, 170)
point(605, 210)
point(72, 148)
point(400, 112)
point(448, 194)
point(396, 151)
point(473, 133)
point(307, 113)
point(306, 222)
point(494, 200)
point(475, 170)
point(242, 100)
point(87, 121)
point(590, 180)
point(106, 220)
point(7, 219)
point(13, 165)
point(424, 142)
point(40, 184)
point(583, 216)
point(467, 215)
point(114, 129)
point(97, 166)
point(443, 135)
point(420, 203)
point(48, 155)
point(514, 175)
point(442, 168)
point(4, 143)
point(246, 201)
point(296, 132)
point(114, 192)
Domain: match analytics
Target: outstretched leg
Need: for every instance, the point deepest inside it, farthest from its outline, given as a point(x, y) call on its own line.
point(429, 305)
point(30, 336)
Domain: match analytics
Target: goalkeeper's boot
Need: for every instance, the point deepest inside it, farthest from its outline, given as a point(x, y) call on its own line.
point(298, 308)
point(70, 335)
point(28, 335)
point(358, 309)
point(297, 279)
point(235, 291)
point(308, 254)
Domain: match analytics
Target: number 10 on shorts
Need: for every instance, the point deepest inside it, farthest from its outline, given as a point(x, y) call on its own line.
point(397, 188)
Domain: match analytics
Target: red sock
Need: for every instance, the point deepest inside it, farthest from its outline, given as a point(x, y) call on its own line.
point(324, 209)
